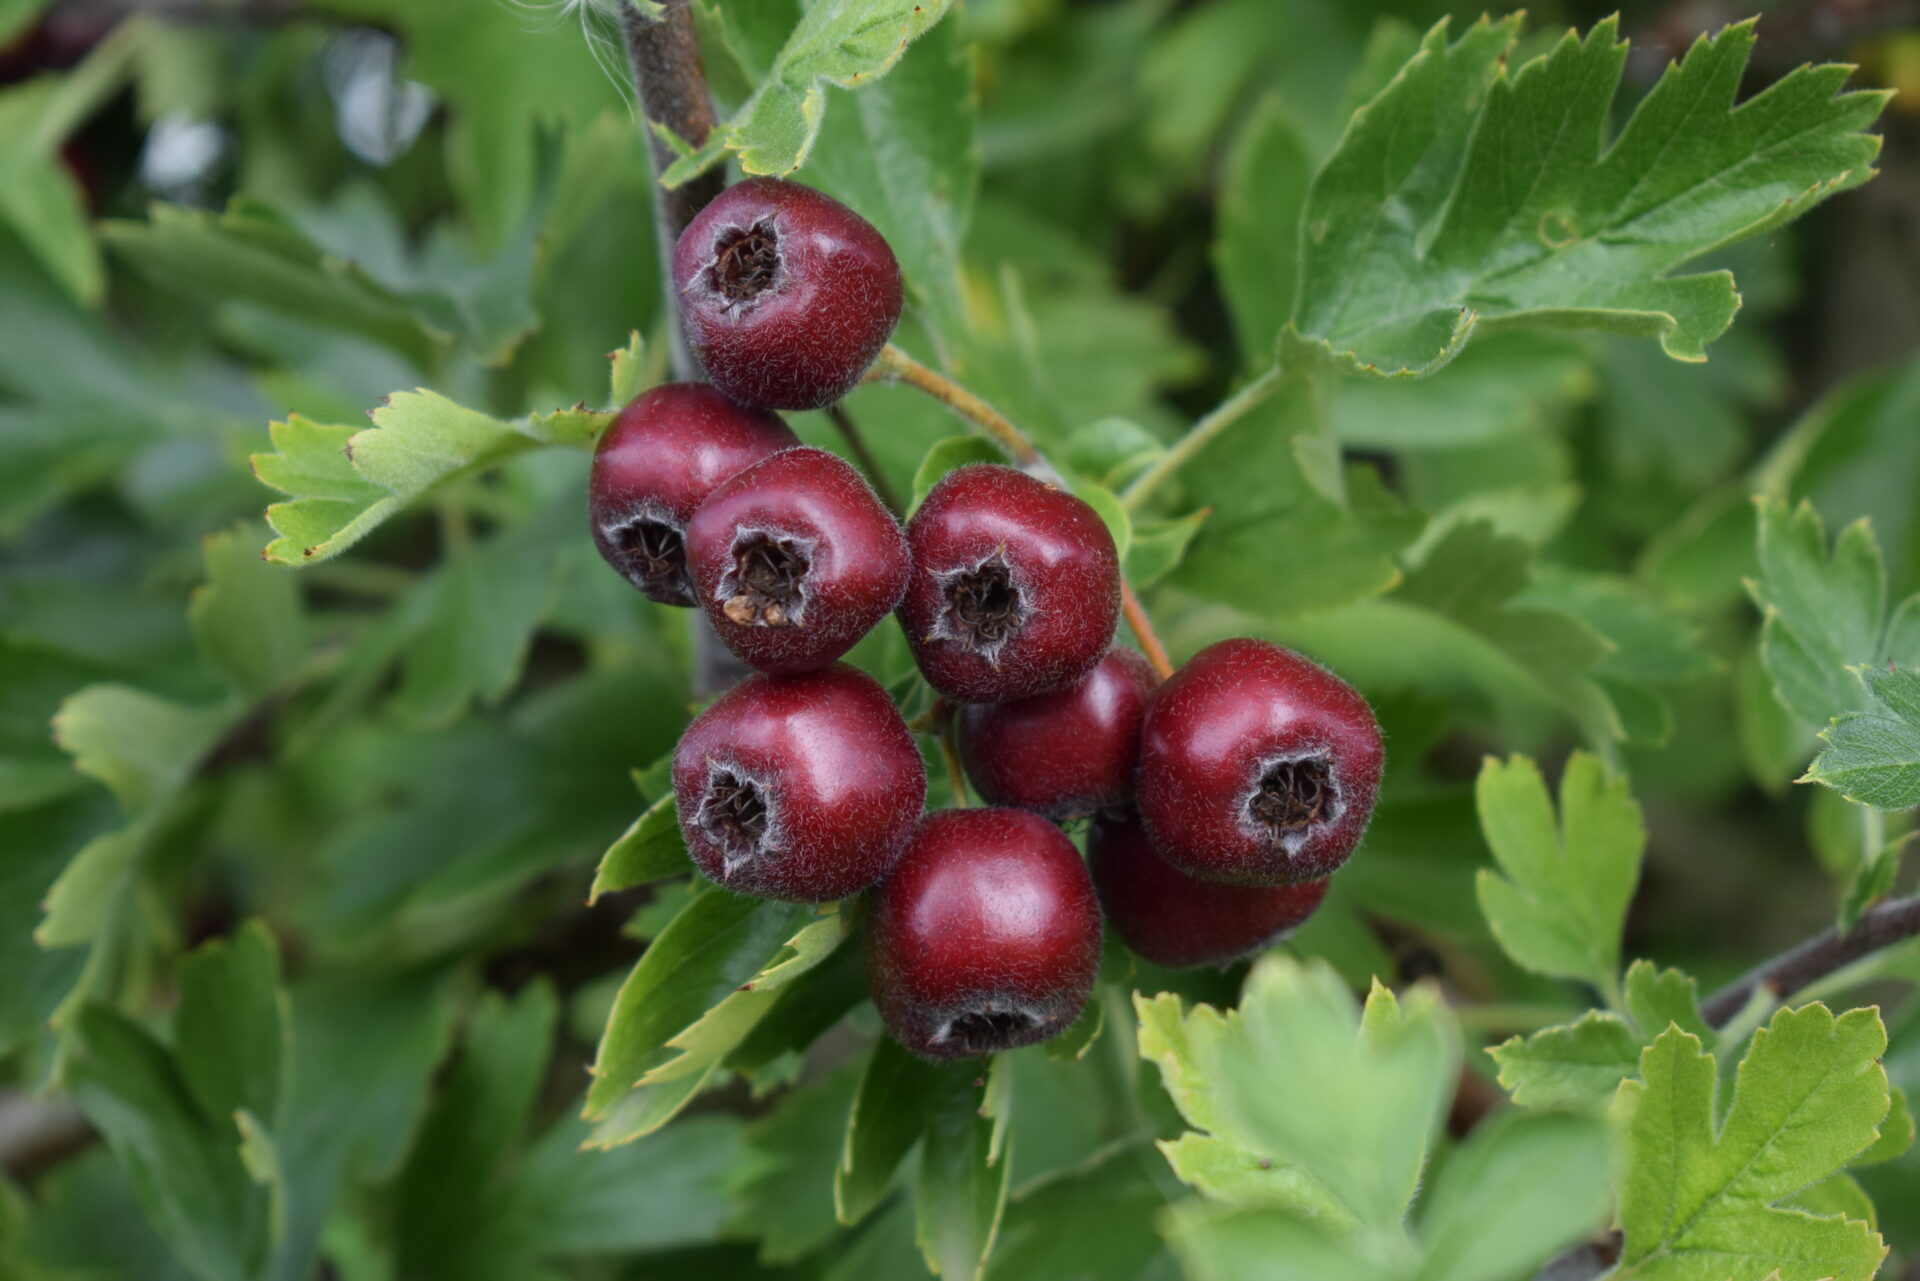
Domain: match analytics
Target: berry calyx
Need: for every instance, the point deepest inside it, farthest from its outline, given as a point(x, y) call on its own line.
point(795, 559)
point(802, 787)
point(1257, 766)
point(786, 294)
point(1066, 753)
point(666, 452)
point(984, 937)
point(1177, 920)
point(1016, 586)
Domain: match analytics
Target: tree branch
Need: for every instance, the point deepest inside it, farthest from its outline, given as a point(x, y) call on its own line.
point(671, 82)
point(1891, 922)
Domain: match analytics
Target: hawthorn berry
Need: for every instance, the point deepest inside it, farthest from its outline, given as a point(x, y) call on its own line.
point(984, 937)
point(668, 450)
point(1066, 753)
point(1175, 919)
point(795, 559)
point(787, 295)
point(1257, 766)
point(1016, 586)
point(799, 787)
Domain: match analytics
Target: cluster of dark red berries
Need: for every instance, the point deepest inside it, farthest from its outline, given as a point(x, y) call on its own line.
point(1220, 801)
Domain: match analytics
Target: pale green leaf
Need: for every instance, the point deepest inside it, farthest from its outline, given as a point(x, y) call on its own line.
point(840, 43)
point(1559, 901)
point(1380, 1078)
point(1517, 1192)
point(1698, 1195)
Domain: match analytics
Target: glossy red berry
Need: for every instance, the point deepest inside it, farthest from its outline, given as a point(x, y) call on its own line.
point(656, 464)
point(984, 937)
point(1178, 920)
point(799, 787)
point(1257, 766)
point(1016, 586)
point(786, 293)
point(1065, 753)
point(794, 560)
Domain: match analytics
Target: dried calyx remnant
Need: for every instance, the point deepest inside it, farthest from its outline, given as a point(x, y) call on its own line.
point(734, 813)
point(984, 608)
point(746, 263)
point(655, 556)
point(987, 1029)
point(767, 583)
point(1293, 795)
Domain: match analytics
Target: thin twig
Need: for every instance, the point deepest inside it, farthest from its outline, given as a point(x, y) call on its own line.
point(1891, 922)
point(1143, 631)
point(898, 365)
point(850, 432)
point(1181, 452)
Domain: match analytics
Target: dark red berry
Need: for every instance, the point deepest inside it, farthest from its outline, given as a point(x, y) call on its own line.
point(1066, 753)
point(984, 937)
point(794, 560)
point(787, 294)
point(799, 787)
point(1178, 920)
point(1257, 766)
point(663, 455)
point(1016, 586)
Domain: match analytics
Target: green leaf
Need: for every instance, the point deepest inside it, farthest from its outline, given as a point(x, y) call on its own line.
point(250, 252)
point(1822, 617)
point(1559, 901)
point(1255, 248)
point(630, 375)
point(474, 1124)
point(646, 851)
point(480, 612)
point(1157, 547)
point(1517, 1192)
point(949, 455)
point(187, 1174)
point(1578, 1065)
point(1286, 545)
point(1467, 194)
point(41, 200)
point(1094, 1220)
point(1872, 757)
point(889, 1115)
point(1656, 998)
point(717, 943)
point(232, 1025)
point(247, 616)
point(38, 842)
point(1896, 1134)
point(1227, 1243)
point(1697, 1198)
point(845, 43)
point(963, 1169)
point(344, 482)
point(901, 152)
point(144, 748)
point(1380, 1080)
point(783, 1188)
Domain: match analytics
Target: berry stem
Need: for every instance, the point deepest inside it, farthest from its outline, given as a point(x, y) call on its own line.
point(1181, 452)
point(857, 445)
point(897, 365)
point(1891, 922)
point(1143, 630)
